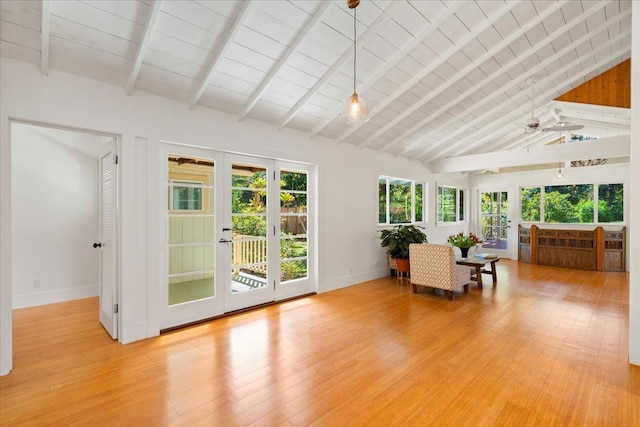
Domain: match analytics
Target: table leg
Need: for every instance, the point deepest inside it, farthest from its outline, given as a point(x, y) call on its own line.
point(479, 276)
point(493, 273)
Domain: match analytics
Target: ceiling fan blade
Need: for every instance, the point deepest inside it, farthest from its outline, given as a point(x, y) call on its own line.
point(560, 128)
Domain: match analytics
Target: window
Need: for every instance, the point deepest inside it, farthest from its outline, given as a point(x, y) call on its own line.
point(400, 201)
point(451, 204)
point(186, 196)
point(573, 204)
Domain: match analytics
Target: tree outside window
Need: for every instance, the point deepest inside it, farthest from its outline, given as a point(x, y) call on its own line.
point(573, 204)
point(451, 204)
point(400, 201)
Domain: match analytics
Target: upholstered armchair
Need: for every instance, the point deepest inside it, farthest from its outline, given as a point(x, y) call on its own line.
point(435, 266)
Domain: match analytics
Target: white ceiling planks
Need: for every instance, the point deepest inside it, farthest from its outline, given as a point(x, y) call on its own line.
point(46, 24)
point(442, 78)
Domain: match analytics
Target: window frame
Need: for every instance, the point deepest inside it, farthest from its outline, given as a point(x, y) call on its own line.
point(461, 209)
point(414, 183)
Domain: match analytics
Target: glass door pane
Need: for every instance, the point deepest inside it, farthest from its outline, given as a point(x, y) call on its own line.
point(293, 226)
point(191, 229)
point(249, 227)
point(493, 220)
point(191, 207)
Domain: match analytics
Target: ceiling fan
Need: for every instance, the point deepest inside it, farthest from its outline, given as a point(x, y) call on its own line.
point(561, 125)
point(532, 124)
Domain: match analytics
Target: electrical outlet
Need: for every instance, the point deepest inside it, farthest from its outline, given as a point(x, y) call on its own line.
point(36, 283)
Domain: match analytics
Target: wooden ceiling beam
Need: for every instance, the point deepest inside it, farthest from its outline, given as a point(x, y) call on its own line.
point(388, 65)
point(454, 49)
point(283, 60)
point(474, 65)
point(508, 120)
point(614, 146)
point(347, 54)
point(215, 62)
point(513, 64)
point(471, 141)
point(143, 45)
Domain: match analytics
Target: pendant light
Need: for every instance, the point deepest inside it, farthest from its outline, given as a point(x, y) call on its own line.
point(355, 109)
point(559, 174)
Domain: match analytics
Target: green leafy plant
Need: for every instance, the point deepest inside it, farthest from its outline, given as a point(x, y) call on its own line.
point(398, 239)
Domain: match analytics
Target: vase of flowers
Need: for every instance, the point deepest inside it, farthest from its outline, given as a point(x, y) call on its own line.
point(464, 242)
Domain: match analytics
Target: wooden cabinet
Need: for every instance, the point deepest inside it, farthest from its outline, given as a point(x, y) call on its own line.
point(596, 249)
point(524, 244)
point(615, 254)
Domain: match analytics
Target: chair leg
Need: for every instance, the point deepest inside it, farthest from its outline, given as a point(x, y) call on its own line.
point(450, 295)
point(466, 288)
point(415, 288)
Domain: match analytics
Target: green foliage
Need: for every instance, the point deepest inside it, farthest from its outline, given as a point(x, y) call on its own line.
point(447, 204)
point(610, 203)
point(530, 203)
point(568, 203)
point(399, 202)
point(397, 239)
point(291, 270)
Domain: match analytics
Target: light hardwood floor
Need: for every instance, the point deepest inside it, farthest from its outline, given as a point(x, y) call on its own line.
point(546, 347)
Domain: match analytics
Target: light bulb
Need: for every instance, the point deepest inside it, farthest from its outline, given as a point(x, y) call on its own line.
point(559, 174)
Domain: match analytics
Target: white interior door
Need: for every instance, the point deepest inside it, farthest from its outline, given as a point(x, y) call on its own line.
point(191, 208)
point(107, 243)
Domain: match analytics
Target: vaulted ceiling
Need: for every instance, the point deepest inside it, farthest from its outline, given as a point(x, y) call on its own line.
point(441, 78)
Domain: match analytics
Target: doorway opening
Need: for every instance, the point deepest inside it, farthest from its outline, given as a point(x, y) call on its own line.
point(56, 209)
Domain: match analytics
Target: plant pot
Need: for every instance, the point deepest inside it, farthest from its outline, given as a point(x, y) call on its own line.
point(465, 252)
point(402, 264)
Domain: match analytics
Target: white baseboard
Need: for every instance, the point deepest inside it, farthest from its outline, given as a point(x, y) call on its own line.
point(50, 297)
point(354, 279)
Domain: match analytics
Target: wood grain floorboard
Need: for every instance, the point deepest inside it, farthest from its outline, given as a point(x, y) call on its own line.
point(546, 347)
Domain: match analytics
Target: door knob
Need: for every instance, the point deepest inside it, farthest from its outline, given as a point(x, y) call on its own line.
point(97, 245)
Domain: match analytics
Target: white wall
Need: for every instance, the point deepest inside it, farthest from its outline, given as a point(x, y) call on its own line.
point(55, 220)
point(349, 251)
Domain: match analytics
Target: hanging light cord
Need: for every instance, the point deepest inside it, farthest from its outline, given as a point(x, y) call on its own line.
point(354, 49)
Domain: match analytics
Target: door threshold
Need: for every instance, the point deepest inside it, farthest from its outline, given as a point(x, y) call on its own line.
point(233, 313)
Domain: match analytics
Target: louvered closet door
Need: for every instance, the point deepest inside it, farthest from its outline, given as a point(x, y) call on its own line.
point(108, 195)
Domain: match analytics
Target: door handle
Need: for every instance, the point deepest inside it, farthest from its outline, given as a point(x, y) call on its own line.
point(225, 241)
point(97, 245)
point(226, 229)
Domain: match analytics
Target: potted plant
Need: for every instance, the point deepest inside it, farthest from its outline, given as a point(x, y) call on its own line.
point(464, 242)
point(397, 242)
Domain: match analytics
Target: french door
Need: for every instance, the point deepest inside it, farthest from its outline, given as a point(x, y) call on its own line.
point(192, 212)
point(237, 233)
point(496, 231)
